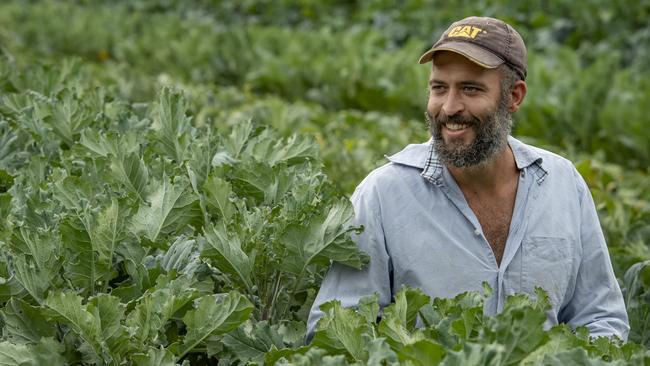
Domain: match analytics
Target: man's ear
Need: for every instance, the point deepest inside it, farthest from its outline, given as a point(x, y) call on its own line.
point(517, 95)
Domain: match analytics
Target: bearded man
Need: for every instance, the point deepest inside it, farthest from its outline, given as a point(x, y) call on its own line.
point(476, 205)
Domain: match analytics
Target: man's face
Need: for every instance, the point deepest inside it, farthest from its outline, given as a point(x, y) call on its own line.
point(467, 111)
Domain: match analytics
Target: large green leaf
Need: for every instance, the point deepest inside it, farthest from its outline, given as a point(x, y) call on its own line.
point(519, 327)
point(473, 354)
point(237, 138)
point(156, 307)
point(131, 171)
point(267, 148)
point(251, 343)
point(261, 181)
point(24, 323)
point(114, 334)
point(172, 207)
point(217, 196)
point(182, 256)
point(67, 308)
point(398, 319)
point(214, 314)
point(42, 247)
point(341, 329)
point(45, 352)
point(35, 280)
point(85, 266)
point(155, 357)
point(325, 238)
point(423, 352)
point(227, 254)
point(172, 125)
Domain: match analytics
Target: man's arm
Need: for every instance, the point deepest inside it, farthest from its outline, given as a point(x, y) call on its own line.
point(597, 302)
point(348, 284)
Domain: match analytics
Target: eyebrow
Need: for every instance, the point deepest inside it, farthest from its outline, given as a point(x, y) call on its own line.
point(462, 83)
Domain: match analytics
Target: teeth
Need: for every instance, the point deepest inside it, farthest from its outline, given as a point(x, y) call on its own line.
point(456, 126)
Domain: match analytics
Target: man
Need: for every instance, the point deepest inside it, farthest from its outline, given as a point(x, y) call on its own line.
point(474, 204)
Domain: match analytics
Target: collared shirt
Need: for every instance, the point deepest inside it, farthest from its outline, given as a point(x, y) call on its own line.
point(420, 231)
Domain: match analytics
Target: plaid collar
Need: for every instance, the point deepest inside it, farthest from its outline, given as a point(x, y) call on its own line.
point(526, 157)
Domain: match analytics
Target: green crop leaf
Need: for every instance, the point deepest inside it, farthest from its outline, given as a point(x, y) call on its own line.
point(227, 253)
point(157, 306)
point(260, 180)
point(577, 356)
point(398, 319)
point(35, 280)
point(369, 308)
point(380, 353)
point(68, 117)
point(155, 357)
point(214, 315)
point(172, 207)
point(131, 171)
point(43, 248)
point(251, 343)
point(24, 323)
point(172, 125)
point(313, 356)
point(341, 329)
point(519, 327)
point(294, 149)
point(182, 256)
point(85, 266)
point(111, 312)
point(423, 352)
point(46, 352)
point(67, 308)
point(473, 354)
point(237, 139)
point(108, 231)
point(324, 239)
point(217, 196)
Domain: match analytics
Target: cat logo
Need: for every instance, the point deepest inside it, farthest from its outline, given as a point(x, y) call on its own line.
point(467, 31)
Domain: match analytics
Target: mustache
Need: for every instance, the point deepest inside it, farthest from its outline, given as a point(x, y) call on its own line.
point(456, 118)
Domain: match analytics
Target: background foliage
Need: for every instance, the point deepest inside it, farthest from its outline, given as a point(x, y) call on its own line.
point(173, 175)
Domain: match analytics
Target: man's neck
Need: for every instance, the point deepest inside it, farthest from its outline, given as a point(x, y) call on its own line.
point(489, 176)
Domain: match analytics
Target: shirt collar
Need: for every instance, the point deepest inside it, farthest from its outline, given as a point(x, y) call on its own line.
point(423, 156)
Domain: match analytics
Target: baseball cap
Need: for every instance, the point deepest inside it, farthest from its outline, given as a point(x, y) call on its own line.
point(488, 42)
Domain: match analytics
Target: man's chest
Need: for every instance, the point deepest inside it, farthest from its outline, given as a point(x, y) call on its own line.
point(494, 214)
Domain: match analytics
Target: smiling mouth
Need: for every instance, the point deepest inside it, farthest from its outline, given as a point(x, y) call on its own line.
point(456, 126)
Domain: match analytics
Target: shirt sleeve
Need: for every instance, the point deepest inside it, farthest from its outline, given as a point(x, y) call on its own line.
point(348, 284)
point(597, 301)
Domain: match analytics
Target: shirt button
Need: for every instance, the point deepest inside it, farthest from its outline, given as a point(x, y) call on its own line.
point(477, 232)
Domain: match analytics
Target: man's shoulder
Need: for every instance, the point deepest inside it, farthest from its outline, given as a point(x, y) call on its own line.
point(551, 162)
point(402, 171)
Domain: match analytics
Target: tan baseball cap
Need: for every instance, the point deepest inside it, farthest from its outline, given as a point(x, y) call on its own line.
point(487, 42)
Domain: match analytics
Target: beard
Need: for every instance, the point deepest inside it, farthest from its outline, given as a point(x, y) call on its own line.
point(491, 130)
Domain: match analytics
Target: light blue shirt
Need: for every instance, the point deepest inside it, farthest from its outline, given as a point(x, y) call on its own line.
point(420, 232)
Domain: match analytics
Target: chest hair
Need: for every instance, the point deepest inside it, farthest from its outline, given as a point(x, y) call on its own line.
point(494, 213)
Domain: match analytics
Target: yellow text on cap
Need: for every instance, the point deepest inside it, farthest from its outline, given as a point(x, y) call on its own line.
point(467, 31)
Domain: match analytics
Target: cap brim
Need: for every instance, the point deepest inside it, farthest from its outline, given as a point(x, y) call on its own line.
point(474, 53)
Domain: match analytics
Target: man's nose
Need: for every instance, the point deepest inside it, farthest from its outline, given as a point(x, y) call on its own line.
point(452, 104)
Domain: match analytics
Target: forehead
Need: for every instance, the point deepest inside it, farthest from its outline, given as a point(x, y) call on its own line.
point(451, 65)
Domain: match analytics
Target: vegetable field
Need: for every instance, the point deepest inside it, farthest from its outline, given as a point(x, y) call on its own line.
point(174, 177)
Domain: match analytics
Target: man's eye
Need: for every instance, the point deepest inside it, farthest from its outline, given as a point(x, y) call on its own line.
point(471, 89)
point(437, 88)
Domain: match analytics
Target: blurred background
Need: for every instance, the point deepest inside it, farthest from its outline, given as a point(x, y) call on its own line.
point(346, 72)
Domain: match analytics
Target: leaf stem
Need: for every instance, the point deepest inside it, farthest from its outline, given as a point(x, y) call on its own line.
point(274, 297)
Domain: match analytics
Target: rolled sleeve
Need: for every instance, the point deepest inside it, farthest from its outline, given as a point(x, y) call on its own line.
point(597, 301)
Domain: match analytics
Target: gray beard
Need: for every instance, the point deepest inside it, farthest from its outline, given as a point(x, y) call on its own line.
point(491, 137)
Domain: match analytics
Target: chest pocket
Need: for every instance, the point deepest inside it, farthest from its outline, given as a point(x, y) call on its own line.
point(547, 263)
